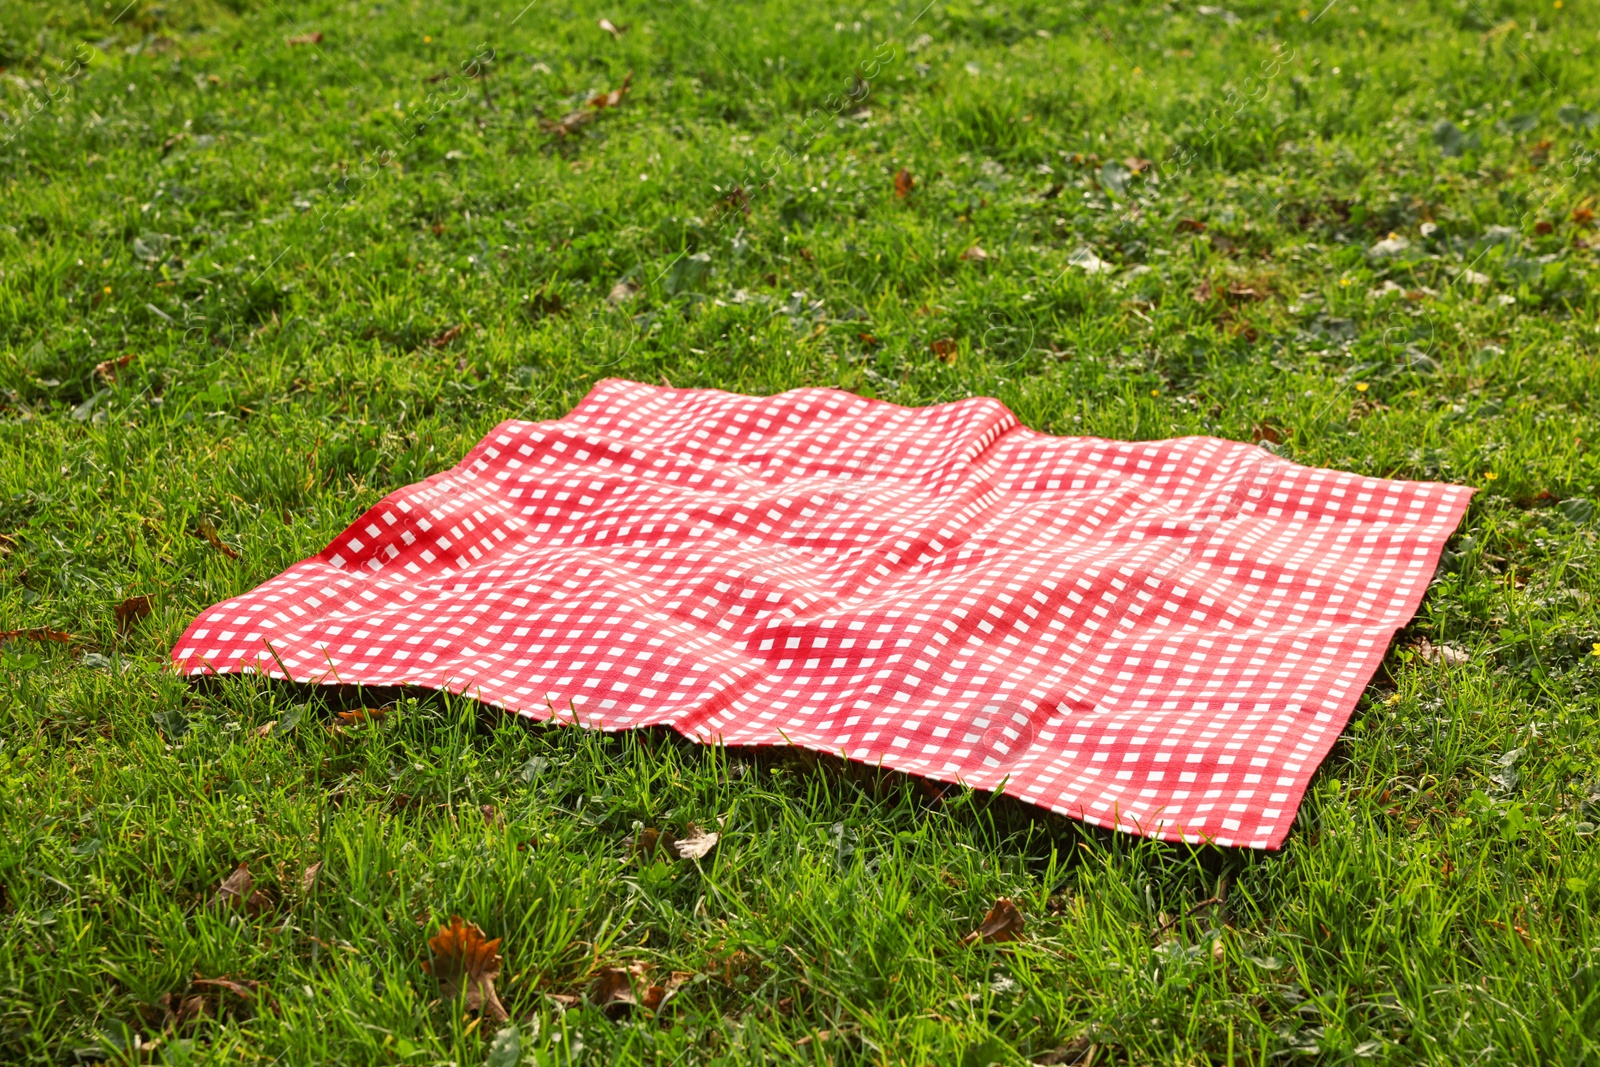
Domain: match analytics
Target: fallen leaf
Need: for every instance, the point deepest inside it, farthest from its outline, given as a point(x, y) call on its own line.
point(612, 28)
point(975, 255)
point(1136, 164)
point(187, 1010)
point(1191, 226)
point(622, 292)
point(612, 991)
point(244, 988)
point(1003, 923)
point(867, 339)
point(946, 349)
point(655, 997)
point(573, 121)
point(214, 539)
point(1203, 292)
point(1266, 431)
point(1543, 227)
point(614, 97)
point(308, 878)
point(1442, 655)
point(361, 715)
point(491, 817)
point(1245, 292)
point(304, 38)
point(37, 633)
point(903, 183)
point(695, 845)
point(449, 335)
point(1582, 216)
point(648, 841)
point(131, 611)
point(467, 964)
point(736, 200)
point(265, 729)
point(1077, 1050)
point(106, 371)
point(237, 889)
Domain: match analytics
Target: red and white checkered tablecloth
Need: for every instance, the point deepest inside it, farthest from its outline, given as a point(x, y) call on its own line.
point(1160, 636)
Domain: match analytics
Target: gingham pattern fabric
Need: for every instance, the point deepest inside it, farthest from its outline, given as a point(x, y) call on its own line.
point(1162, 636)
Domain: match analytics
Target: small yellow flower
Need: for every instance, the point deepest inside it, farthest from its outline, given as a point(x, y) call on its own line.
point(1344, 281)
point(1489, 476)
point(1361, 387)
point(427, 40)
point(1596, 649)
point(1558, 5)
point(1305, 12)
point(1155, 392)
point(108, 288)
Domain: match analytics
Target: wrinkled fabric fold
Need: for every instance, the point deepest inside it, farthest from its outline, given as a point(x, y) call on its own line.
point(1164, 637)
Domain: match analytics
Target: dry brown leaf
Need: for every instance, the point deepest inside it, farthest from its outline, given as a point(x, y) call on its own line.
point(238, 889)
point(695, 845)
point(1191, 226)
point(1003, 923)
point(612, 28)
point(304, 38)
point(1583, 216)
point(564, 1000)
point(466, 963)
point(612, 991)
point(37, 633)
point(449, 335)
point(975, 255)
point(946, 349)
point(1443, 655)
point(308, 878)
point(622, 292)
point(131, 611)
point(214, 539)
point(186, 1011)
point(244, 987)
point(903, 183)
point(656, 997)
point(614, 97)
point(265, 729)
point(358, 716)
point(1245, 292)
point(1203, 293)
point(1266, 431)
point(1078, 1050)
point(648, 841)
point(736, 200)
point(1136, 164)
point(106, 371)
point(569, 123)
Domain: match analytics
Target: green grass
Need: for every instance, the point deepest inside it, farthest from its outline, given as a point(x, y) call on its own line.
point(275, 235)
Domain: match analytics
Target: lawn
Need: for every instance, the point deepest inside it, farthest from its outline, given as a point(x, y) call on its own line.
point(262, 263)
